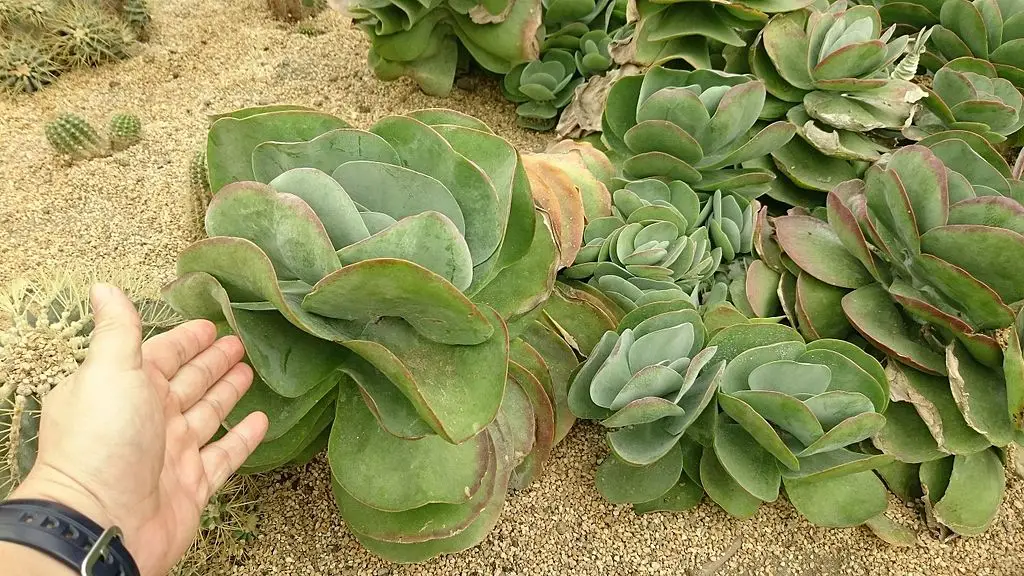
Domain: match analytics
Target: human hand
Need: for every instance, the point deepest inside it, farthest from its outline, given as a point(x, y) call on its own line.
point(124, 440)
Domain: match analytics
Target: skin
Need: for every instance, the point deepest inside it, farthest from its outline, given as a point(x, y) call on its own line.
point(126, 439)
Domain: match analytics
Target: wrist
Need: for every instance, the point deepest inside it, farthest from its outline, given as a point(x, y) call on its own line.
point(30, 562)
point(46, 483)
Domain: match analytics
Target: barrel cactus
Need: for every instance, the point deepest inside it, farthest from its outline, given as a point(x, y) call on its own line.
point(967, 94)
point(26, 67)
point(48, 336)
point(85, 34)
point(693, 126)
point(125, 130)
point(919, 259)
point(388, 286)
point(72, 136)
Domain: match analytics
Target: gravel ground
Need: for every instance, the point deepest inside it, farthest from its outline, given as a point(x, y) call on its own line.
point(133, 212)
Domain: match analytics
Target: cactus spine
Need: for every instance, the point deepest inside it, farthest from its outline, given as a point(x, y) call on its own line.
point(135, 14)
point(50, 326)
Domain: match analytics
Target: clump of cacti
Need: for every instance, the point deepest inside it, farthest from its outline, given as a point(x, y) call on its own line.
point(72, 136)
point(50, 323)
point(40, 39)
point(125, 130)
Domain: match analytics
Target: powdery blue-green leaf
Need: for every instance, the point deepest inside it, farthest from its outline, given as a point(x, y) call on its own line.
point(282, 225)
point(393, 287)
point(620, 482)
point(324, 153)
point(837, 502)
point(394, 474)
point(747, 462)
point(428, 239)
point(723, 489)
point(331, 204)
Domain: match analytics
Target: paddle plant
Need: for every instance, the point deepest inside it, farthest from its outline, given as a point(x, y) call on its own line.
point(919, 258)
point(388, 287)
point(830, 73)
point(427, 41)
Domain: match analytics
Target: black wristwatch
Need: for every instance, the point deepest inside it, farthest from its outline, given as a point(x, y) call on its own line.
point(66, 536)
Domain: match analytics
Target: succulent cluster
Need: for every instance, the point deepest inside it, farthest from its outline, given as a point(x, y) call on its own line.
point(48, 336)
point(40, 39)
point(829, 235)
point(395, 292)
point(73, 137)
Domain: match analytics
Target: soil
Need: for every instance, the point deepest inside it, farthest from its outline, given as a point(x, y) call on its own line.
point(133, 211)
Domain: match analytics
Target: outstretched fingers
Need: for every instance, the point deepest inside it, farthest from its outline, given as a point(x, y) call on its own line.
point(222, 458)
point(169, 351)
point(195, 378)
point(205, 416)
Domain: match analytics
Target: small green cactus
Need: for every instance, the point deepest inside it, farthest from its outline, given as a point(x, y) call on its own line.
point(125, 131)
point(198, 176)
point(85, 35)
point(25, 67)
point(73, 136)
point(50, 325)
point(135, 14)
point(308, 29)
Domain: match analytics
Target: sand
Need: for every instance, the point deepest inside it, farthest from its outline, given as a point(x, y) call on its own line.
point(133, 212)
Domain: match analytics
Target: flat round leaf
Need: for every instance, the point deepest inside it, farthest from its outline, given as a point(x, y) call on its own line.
point(751, 466)
point(758, 428)
point(394, 474)
point(819, 252)
point(874, 315)
point(994, 256)
point(371, 289)
point(847, 500)
point(329, 201)
point(906, 436)
point(621, 483)
point(428, 239)
point(971, 500)
point(723, 489)
point(231, 140)
point(428, 373)
point(282, 225)
point(324, 153)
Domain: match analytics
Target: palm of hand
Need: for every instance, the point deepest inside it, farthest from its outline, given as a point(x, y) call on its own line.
point(129, 433)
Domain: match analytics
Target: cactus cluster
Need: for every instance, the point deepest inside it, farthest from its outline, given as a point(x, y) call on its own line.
point(73, 137)
point(40, 39)
point(854, 265)
point(48, 336)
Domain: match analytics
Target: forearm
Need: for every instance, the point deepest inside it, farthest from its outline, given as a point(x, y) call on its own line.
point(18, 560)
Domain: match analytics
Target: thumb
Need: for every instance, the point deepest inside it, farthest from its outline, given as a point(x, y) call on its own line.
point(116, 341)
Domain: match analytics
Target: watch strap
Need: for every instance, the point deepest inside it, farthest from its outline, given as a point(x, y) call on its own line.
point(66, 536)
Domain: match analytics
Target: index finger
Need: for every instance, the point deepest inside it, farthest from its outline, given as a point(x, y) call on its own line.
point(169, 351)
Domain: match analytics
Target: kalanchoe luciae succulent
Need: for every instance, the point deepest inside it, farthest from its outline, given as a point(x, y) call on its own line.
point(991, 30)
point(542, 88)
point(387, 285)
point(695, 126)
point(424, 41)
point(792, 415)
point(833, 68)
point(648, 383)
point(920, 258)
point(687, 30)
point(967, 94)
